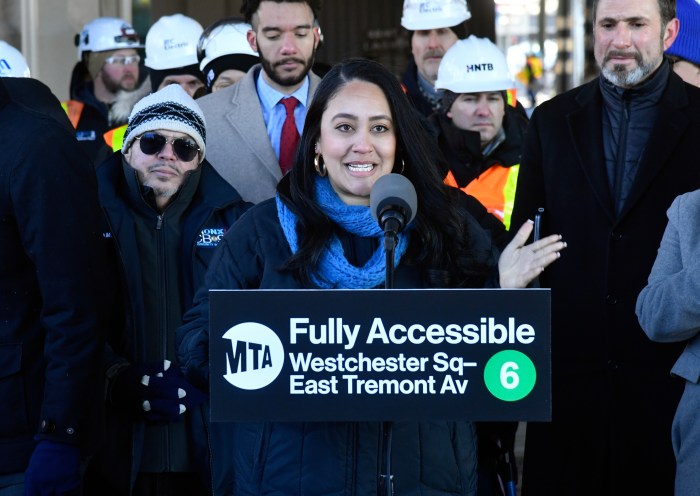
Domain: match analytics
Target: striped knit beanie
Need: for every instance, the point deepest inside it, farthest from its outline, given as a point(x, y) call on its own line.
point(170, 109)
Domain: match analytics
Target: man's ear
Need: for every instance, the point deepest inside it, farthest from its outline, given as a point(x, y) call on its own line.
point(127, 153)
point(671, 32)
point(317, 36)
point(252, 40)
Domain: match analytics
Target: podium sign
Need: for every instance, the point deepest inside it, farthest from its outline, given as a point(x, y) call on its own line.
point(368, 355)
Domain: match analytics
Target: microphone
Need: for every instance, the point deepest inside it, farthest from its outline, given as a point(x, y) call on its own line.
point(393, 202)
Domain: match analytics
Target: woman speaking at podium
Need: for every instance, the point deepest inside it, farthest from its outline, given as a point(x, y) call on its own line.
point(319, 233)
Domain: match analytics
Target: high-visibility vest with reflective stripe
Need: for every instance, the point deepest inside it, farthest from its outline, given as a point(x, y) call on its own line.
point(115, 137)
point(495, 190)
point(512, 97)
point(74, 109)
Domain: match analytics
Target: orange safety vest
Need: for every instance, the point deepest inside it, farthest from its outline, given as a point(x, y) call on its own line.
point(495, 190)
point(74, 109)
point(512, 97)
point(115, 137)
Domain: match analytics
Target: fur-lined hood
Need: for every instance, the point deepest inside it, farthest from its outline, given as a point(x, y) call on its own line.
point(121, 108)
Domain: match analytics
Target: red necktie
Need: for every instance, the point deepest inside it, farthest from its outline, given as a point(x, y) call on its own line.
point(290, 136)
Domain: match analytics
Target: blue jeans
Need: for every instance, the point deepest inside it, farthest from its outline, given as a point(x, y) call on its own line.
point(12, 484)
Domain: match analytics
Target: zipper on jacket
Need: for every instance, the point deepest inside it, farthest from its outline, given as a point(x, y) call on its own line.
point(163, 315)
point(621, 154)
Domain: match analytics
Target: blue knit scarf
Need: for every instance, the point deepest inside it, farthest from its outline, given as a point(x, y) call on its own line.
point(334, 271)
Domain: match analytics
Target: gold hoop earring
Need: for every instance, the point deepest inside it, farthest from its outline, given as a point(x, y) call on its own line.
point(403, 166)
point(319, 165)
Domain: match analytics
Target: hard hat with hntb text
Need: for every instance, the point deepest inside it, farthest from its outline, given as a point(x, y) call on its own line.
point(106, 33)
point(12, 62)
point(172, 42)
point(419, 15)
point(474, 65)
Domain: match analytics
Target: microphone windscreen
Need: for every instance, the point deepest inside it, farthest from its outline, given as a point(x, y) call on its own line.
point(393, 190)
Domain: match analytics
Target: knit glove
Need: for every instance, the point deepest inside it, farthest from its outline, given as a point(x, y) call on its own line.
point(155, 392)
point(54, 470)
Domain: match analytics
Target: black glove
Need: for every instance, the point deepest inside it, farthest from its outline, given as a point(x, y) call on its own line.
point(156, 392)
point(54, 469)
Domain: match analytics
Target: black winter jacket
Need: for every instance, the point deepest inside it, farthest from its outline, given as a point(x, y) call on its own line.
point(54, 280)
point(409, 81)
point(216, 205)
point(341, 458)
point(94, 119)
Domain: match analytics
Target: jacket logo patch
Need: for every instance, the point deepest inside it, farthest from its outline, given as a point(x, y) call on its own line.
point(210, 237)
point(86, 135)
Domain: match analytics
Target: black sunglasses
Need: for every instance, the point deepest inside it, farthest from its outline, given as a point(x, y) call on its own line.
point(152, 143)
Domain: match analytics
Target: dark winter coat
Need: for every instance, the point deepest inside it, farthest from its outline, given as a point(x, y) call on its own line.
point(613, 397)
point(54, 281)
point(462, 148)
point(431, 458)
point(93, 122)
point(409, 81)
point(216, 205)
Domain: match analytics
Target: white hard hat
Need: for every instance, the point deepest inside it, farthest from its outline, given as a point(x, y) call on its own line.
point(474, 65)
point(223, 38)
point(172, 42)
point(106, 33)
point(434, 14)
point(12, 62)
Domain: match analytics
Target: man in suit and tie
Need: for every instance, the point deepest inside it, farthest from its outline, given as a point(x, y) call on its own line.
point(606, 160)
point(254, 125)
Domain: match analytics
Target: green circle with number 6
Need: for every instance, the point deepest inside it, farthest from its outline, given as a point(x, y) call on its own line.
point(510, 375)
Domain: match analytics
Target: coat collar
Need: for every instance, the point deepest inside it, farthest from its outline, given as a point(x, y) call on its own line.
point(585, 128)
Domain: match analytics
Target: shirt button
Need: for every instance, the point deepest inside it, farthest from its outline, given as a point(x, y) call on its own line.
point(70, 431)
point(610, 299)
point(616, 236)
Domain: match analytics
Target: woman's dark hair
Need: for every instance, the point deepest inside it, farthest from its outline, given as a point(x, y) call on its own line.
point(441, 237)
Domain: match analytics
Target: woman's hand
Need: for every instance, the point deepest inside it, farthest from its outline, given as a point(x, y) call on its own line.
point(519, 264)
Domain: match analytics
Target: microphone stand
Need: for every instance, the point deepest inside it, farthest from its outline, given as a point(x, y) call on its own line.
point(386, 478)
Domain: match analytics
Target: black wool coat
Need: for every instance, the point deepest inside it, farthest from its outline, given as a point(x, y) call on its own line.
point(55, 280)
point(613, 397)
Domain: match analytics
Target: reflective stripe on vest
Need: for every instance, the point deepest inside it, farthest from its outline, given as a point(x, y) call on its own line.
point(115, 138)
point(74, 109)
point(495, 190)
point(512, 97)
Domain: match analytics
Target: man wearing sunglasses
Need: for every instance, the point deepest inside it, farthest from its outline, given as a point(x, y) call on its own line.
point(166, 210)
point(104, 83)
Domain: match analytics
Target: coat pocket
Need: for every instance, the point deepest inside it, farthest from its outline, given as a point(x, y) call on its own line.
point(13, 414)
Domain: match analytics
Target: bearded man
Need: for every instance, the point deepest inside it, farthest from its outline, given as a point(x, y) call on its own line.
point(606, 160)
point(261, 117)
point(103, 87)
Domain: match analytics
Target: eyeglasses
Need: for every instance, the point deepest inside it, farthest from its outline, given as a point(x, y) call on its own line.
point(152, 143)
point(123, 59)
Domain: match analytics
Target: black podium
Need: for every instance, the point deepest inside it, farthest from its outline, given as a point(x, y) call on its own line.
point(380, 355)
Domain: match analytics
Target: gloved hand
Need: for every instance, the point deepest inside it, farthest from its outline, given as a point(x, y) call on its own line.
point(156, 391)
point(54, 470)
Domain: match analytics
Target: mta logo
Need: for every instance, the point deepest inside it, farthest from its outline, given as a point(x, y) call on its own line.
point(255, 358)
point(249, 356)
